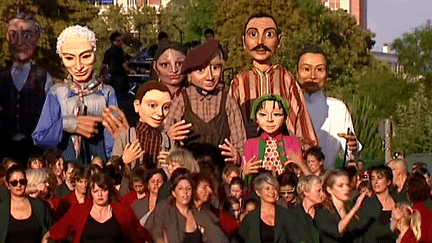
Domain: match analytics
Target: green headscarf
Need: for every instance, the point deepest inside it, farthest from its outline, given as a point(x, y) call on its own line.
point(258, 102)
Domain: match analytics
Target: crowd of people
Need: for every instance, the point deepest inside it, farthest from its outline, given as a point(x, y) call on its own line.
point(202, 164)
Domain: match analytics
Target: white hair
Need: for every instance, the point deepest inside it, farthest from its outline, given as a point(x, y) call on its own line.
point(34, 178)
point(76, 31)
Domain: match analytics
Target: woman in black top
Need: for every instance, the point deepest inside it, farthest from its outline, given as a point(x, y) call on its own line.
point(378, 208)
point(334, 220)
point(23, 219)
point(269, 222)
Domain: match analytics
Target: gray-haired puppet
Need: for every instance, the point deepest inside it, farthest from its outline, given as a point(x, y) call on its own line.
point(145, 145)
point(74, 116)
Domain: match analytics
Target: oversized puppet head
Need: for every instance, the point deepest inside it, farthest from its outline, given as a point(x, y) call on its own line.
point(312, 69)
point(204, 65)
point(168, 62)
point(261, 37)
point(270, 111)
point(152, 103)
point(23, 33)
point(76, 46)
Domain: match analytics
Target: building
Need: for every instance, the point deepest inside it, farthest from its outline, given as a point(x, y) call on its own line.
point(133, 3)
point(390, 58)
point(357, 8)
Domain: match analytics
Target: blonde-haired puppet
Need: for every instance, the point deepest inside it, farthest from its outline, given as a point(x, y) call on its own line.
point(76, 117)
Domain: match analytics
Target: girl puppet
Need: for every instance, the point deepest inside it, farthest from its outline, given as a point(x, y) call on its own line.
point(272, 150)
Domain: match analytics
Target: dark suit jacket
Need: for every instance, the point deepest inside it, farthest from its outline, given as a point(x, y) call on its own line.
point(303, 229)
point(38, 208)
point(250, 227)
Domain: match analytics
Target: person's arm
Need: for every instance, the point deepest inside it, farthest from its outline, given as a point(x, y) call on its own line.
point(109, 140)
point(354, 145)
point(343, 224)
point(49, 130)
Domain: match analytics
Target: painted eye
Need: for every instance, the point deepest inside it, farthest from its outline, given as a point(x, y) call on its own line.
point(152, 105)
point(253, 34)
point(270, 34)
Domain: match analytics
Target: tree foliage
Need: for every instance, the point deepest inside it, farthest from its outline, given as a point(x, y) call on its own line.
point(300, 22)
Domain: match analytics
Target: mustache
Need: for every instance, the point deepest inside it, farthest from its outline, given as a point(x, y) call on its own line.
point(261, 47)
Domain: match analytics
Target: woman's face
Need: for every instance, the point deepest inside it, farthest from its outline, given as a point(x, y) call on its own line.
point(100, 196)
point(68, 174)
point(168, 67)
point(236, 191)
point(203, 192)
point(81, 186)
point(172, 166)
point(379, 182)
point(183, 192)
point(58, 167)
point(287, 193)
point(155, 183)
point(398, 213)
point(315, 195)
point(17, 184)
point(138, 186)
point(42, 188)
point(236, 210)
point(340, 189)
point(268, 193)
point(36, 164)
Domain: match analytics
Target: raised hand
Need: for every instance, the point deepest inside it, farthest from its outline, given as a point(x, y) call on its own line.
point(132, 152)
point(178, 131)
point(114, 125)
point(229, 152)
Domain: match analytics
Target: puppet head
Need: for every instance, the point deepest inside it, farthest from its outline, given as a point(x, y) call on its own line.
point(261, 37)
point(23, 33)
point(204, 65)
point(270, 111)
point(152, 103)
point(312, 71)
point(168, 62)
point(76, 46)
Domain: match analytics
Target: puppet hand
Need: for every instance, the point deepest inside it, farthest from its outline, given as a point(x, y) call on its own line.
point(132, 152)
point(250, 167)
point(87, 125)
point(352, 141)
point(113, 124)
point(178, 131)
point(161, 158)
point(229, 152)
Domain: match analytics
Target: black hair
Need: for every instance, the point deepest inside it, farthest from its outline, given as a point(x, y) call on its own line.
point(197, 178)
point(162, 35)
point(152, 172)
point(14, 169)
point(238, 181)
point(34, 157)
point(209, 31)
point(287, 178)
point(384, 170)
point(114, 36)
point(170, 45)
point(51, 156)
point(81, 173)
point(260, 15)
point(314, 50)
point(178, 172)
point(138, 175)
point(316, 152)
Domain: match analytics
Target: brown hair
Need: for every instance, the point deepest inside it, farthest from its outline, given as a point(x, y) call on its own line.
point(104, 181)
point(150, 85)
point(329, 181)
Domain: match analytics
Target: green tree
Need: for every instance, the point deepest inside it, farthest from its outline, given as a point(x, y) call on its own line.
point(54, 16)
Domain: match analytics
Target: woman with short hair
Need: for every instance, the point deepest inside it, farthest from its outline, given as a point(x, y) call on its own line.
point(271, 222)
point(37, 183)
point(101, 219)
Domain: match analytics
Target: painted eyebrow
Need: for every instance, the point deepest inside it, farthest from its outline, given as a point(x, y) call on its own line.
point(84, 52)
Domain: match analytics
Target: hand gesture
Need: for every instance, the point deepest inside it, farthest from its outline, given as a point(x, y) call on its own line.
point(87, 126)
point(352, 141)
point(178, 131)
point(250, 167)
point(359, 201)
point(229, 152)
point(113, 124)
point(161, 158)
point(132, 152)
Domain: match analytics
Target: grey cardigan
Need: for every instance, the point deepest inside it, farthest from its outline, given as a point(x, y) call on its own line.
point(129, 136)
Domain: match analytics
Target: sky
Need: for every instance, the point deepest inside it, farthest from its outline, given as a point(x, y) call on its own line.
point(389, 19)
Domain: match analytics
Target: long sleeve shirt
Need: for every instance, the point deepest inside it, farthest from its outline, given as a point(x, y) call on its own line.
point(330, 116)
point(251, 84)
point(58, 119)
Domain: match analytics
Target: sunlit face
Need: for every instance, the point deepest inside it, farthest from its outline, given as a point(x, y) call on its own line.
point(236, 210)
point(203, 192)
point(19, 189)
point(236, 191)
point(23, 39)
point(379, 182)
point(81, 186)
point(79, 58)
point(36, 164)
point(312, 72)
point(208, 78)
point(340, 189)
point(155, 183)
point(315, 195)
point(182, 193)
point(168, 67)
point(268, 193)
point(154, 107)
point(313, 163)
point(287, 193)
point(138, 186)
point(172, 166)
point(270, 117)
point(228, 178)
point(100, 196)
point(261, 39)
